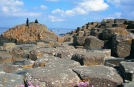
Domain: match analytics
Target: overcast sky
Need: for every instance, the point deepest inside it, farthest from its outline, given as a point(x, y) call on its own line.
point(63, 13)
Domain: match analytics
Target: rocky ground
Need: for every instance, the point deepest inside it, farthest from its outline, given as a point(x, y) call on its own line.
point(100, 54)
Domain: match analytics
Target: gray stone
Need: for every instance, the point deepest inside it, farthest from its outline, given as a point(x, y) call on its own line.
point(10, 80)
point(99, 76)
point(52, 77)
point(127, 69)
point(106, 52)
point(92, 42)
point(80, 33)
point(89, 58)
point(113, 61)
point(106, 34)
point(79, 41)
point(8, 46)
point(121, 45)
point(55, 61)
point(5, 57)
point(12, 67)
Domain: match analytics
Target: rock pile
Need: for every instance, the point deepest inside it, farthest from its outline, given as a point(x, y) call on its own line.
point(22, 34)
point(97, 56)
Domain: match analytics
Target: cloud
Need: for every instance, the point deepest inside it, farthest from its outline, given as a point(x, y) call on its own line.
point(43, 7)
point(84, 7)
point(126, 7)
point(114, 15)
point(9, 8)
point(55, 19)
point(51, 0)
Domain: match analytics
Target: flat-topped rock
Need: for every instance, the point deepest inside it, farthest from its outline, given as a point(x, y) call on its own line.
point(52, 77)
point(113, 61)
point(127, 69)
point(10, 80)
point(106, 52)
point(99, 76)
point(5, 57)
point(89, 58)
point(55, 62)
point(11, 67)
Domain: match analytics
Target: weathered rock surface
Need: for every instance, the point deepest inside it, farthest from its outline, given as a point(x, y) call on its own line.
point(52, 77)
point(89, 58)
point(99, 76)
point(127, 69)
point(92, 42)
point(55, 61)
point(79, 41)
point(10, 80)
point(121, 46)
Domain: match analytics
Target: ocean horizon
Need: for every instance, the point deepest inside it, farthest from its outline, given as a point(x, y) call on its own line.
point(57, 31)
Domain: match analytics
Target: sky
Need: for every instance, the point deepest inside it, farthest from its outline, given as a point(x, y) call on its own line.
point(68, 14)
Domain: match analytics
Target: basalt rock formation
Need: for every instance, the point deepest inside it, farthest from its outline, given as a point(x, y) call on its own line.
point(22, 34)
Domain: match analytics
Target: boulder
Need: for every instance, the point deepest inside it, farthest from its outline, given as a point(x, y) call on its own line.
point(99, 76)
point(55, 61)
point(92, 42)
point(113, 61)
point(80, 33)
point(106, 52)
point(11, 80)
point(121, 45)
point(6, 57)
point(95, 32)
point(119, 21)
point(12, 67)
point(68, 53)
point(106, 34)
point(79, 41)
point(127, 70)
point(8, 46)
point(52, 77)
point(89, 58)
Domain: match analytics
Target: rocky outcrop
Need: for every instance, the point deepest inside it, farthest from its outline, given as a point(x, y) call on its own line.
point(21, 34)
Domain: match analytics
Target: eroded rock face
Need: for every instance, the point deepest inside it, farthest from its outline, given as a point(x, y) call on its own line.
point(121, 45)
point(28, 34)
point(92, 42)
point(99, 76)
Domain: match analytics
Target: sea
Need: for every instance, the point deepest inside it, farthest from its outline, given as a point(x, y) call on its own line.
point(58, 31)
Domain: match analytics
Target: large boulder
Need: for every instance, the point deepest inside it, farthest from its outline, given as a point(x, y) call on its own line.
point(121, 45)
point(127, 70)
point(79, 41)
point(89, 58)
point(106, 34)
point(55, 76)
point(92, 42)
point(99, 76)
point(55, 61)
